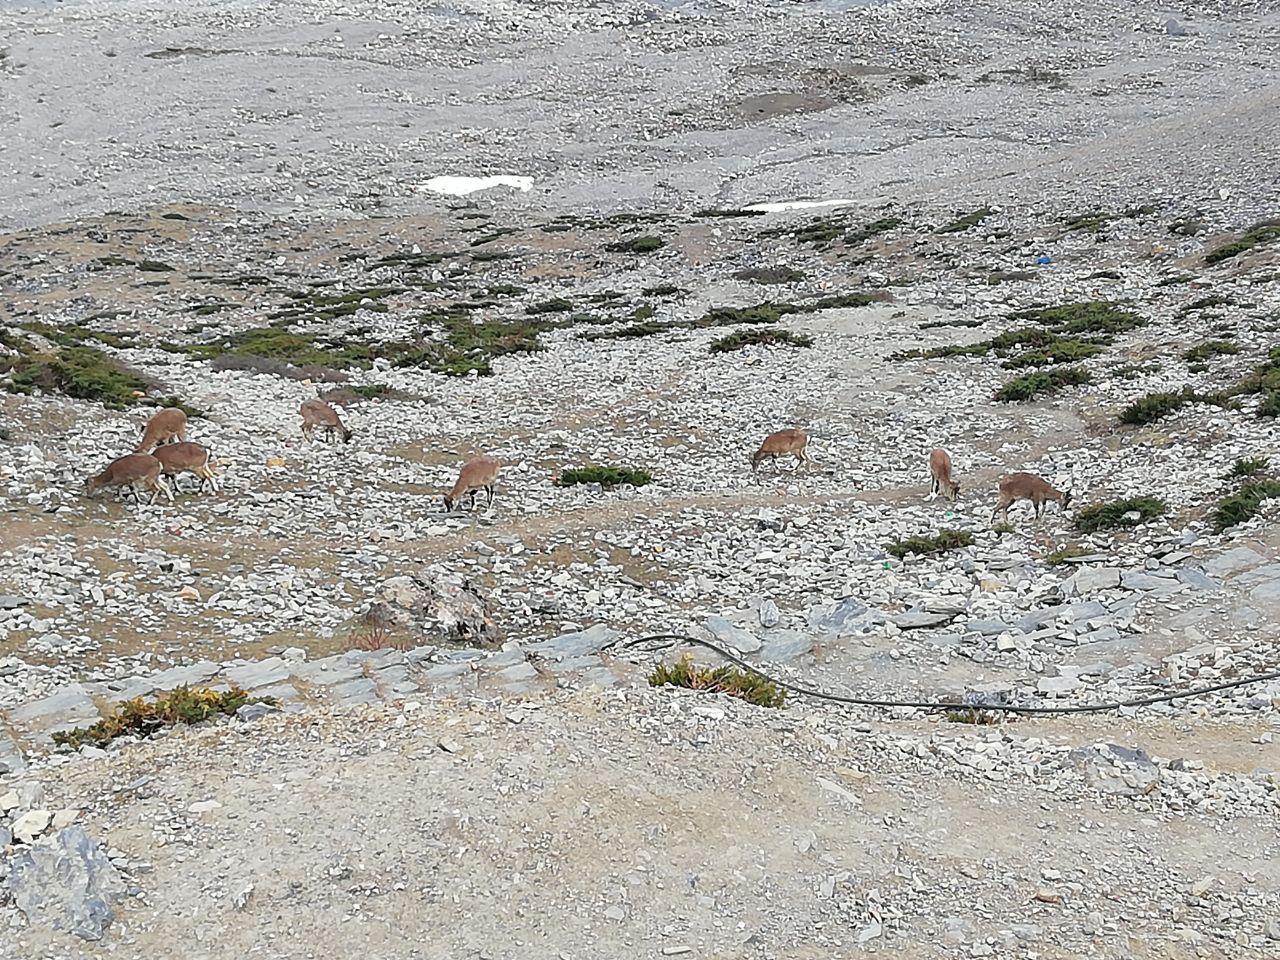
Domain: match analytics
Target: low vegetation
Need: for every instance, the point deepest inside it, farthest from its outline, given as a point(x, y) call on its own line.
point(927, 545)
point(141, 717)
point(1210, 348)
point(1244, 504)
point(771, 275)
point(1065, 555)
point(750, 687)
point(1246, 467)
point(1118, 513)
point(1042, 383)
point(1266, 232)
point(645, 244)
point(1094, 317)
point(767, 337)
point(605, 476)
point(966, 221)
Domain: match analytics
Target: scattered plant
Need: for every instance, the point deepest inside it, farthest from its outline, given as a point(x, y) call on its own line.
point(728, 680)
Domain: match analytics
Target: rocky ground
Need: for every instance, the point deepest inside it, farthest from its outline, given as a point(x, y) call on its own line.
point(1088, 193)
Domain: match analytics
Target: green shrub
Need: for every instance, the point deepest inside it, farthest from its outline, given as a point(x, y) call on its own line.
point(605, 476)
point(554, 305)
point(1042, 383)
point(1107, 516)
point(646, 244)
point(1060, 556)
point(646, 329)
point(966, 221)
point(923, 545)
point(1210, 348)
point(1270, 406)
point(1060, 351)
point(80, 372)
point(1132, 371)
point(1268, 231)
point(1244, 504)
point(750, 687)
point(1246, 467)
point(767, 336)
point(142, 717)
point(1088, 317)
point(1155, 406)
point(771, 275)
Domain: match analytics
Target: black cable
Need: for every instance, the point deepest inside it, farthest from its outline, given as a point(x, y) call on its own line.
point(943, 705)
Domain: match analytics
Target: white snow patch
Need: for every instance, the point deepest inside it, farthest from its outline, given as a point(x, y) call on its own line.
point(797, 205)
point(461, 186)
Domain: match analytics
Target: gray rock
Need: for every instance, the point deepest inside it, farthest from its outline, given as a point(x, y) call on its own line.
point(360, 690)
point(69, 706)
point(1197, 579)
point(1173, 28)
point(445, 608)
point(66, 882)
point(919, 619)
point(10, 602)
point(988, 628)
point(255, 711)
point(1233, 561)
point(250, 676)
point(1117, 770)
point(731, 635)
point(768, 613)
point(589, 641)
point(11, 761)
point(1056, 686)
point(1137, 580)
point(783, 645)
point(327, 670)
point(1088, 580)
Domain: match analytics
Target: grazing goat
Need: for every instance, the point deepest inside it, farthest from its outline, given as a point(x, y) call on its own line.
point(1027, 486)
point(317, 413)
point(477, 474)
point(134, 471)
point(192, 458)
point(167, 426)
point(940, 471)
point(790, 441)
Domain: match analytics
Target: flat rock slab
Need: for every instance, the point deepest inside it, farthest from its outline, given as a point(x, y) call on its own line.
point(361, 690)
point(1233, 561)
point(1091, 579)
point(988, 628)
point(589, 641)
point(922, 619)
point(782, 645)
point(847, 617)
point(250, 676)
point(1197, 579)
point(335, 669)
point(70, 706)
point(731, 635)
point(9, 602)
point(11, 761)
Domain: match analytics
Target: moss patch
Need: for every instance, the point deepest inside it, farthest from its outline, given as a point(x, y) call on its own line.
point(1211, 348)
point(1112, 514)
point(645, 244)
point(763, 337)
point(966, 221)
point(924, 545)
point(1266, 232)
point(605, 476)
point(1042, 383)
point(1244, 504)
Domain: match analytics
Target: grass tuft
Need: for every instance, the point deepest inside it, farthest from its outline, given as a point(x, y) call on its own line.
point(924, 546)
point(768, 336)
point(142, 717)
point(728, 680)
point(607, 477)
point(1246, 467)
point(1244, 504)
point(1210, 348)
point(1042, 383)
point(645, 244)
point(1108, 516)
point(966, 221)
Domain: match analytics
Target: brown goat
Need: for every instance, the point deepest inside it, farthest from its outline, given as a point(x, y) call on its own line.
point(790, 441)
point(940, 472)
point(317, 413)
point(477, 474)
point(192, 458)
point(167, 426)
point(1027, 486)
point(135, 472)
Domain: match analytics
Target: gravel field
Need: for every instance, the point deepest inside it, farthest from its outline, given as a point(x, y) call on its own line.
point(1044, 241)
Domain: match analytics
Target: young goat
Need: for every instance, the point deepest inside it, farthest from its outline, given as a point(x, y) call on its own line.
point(477, 474)
point(781, 443)
point(134, 471)
point(940, 471)
point(192, 458)
point(1027, 486)
point(167, 426)
point(317, 413)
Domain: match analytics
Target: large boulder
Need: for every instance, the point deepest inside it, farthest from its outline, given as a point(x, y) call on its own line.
point(444, 609)
point(67, 882)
